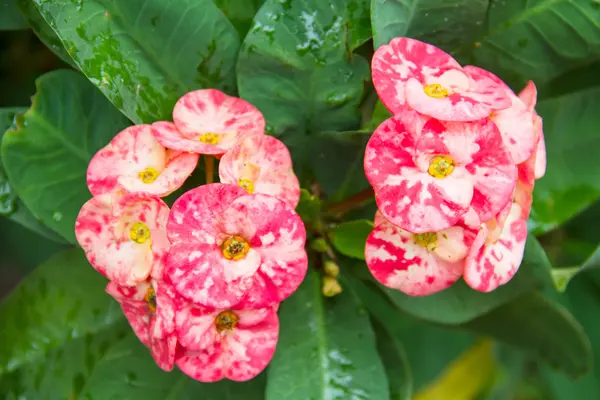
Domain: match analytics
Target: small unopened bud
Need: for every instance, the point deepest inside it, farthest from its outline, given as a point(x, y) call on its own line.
point(319, 245)
point(331, 268)
point(330, 286)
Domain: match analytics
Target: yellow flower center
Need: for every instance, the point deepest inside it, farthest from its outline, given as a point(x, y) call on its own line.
point(441, 166)
point(426, 239)
point(209, 138)
point(150, 298)
point(148, 175)
point(436, 91)
point(139, 232)
point(235, 248)
point(226, 320)
point(247, 185)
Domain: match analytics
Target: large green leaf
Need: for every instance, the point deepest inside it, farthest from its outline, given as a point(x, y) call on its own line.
point(539, 39)
point(349, 237)
point(396, 364)
point(145, 54)
point(43, 31)
point(446, 24)
point(326, 349)
point(296, 66)
point(459, 303)
point(46, 156)
point(10, 17)
point(541, 326)
point(63, 299)
point(572, 180)
point(240, 12)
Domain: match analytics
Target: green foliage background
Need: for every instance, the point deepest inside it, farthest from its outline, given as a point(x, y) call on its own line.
point(73, 73)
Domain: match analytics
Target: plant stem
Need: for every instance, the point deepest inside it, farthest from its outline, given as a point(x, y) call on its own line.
point(351, 202)
point(209, 168)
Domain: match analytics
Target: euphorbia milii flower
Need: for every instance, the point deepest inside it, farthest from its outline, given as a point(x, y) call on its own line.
point(426, 183)
point(231, 248)
point(151, 313)
point(137, 162)
point(429, 80)
point(516, 123)
point(261, 164)
point(529, 97)
point(209, 122)
point(124, 237)
point(417, 264)
point(233, 344)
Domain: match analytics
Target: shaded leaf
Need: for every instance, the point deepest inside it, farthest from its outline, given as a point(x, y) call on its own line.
point(308, 207)
point(380, 114)
point(145, 54)
point(326, 349)
point(349, 237)
point(240, 13)
point(10, 17)
point(46, 156)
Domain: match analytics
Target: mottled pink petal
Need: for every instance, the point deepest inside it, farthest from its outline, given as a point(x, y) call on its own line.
point(540, 150)
point(209, 122)
point(477, 148)
point(496, 262)
point(103, 229)
point(238, 354)
point(265, 163)
point(136, 151)
point(397, 261)
point(134, 307)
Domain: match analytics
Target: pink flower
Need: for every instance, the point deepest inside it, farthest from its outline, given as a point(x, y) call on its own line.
point(516, 123)
point(529, 97)
point(209, 122)
point(233, 344)
point(135, 160)
point(151, 313)
point(426, 183)
point(417, 74)
point(417, 264)
point(124, 237)
point(231, 248)
point(261, 164)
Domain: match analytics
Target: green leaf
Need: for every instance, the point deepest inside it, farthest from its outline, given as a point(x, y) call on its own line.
point(380, 113)
point(43, 31)
point(349, 237)
point(539, 40)
point(63, 299)
point(46, 157)
point(239, 12)
point(460, 303)
point(309, 206)
point(10, 17)
point(296, 66)
point(144, 54)
point(326, 349)
point(535, 324)
point(572, 180)
point(442, 23)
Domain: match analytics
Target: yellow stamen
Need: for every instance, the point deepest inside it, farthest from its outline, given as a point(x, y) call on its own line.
point(226, 320)
point(210, 138)
point(441, 166)
point(235, 248)
point(148, 175)
point(150, 298)
point(426, 240)
point(436, 91)
point(139, 232)
point(247, 185)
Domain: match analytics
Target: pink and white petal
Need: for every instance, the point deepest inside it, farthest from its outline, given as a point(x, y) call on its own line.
point(128, 153)
point(397, 262)
point(250, 348)
point(204, 366)
point(404, 58)
point(212, 111)
point(201, 274)
point(392, 146)
point(163, 351)
point(169, 136)
point(194, 215)
point(496, 224)
point(165, 310)
point(529, 95)
point(134, 307)
point(487, 88)
point(540, 151)
point(470, 220)
point(494, 264)
point(453, 244)
point(419, 203)
point(379, 218)
point(196, 327)
point(282, 184)
point(262, 151)
point(274, 230)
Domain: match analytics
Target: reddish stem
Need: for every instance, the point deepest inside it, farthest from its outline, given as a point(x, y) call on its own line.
point(351, 202)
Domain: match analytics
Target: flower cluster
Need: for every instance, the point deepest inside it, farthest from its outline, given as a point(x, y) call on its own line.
point(453, 172)
point(200, 283)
